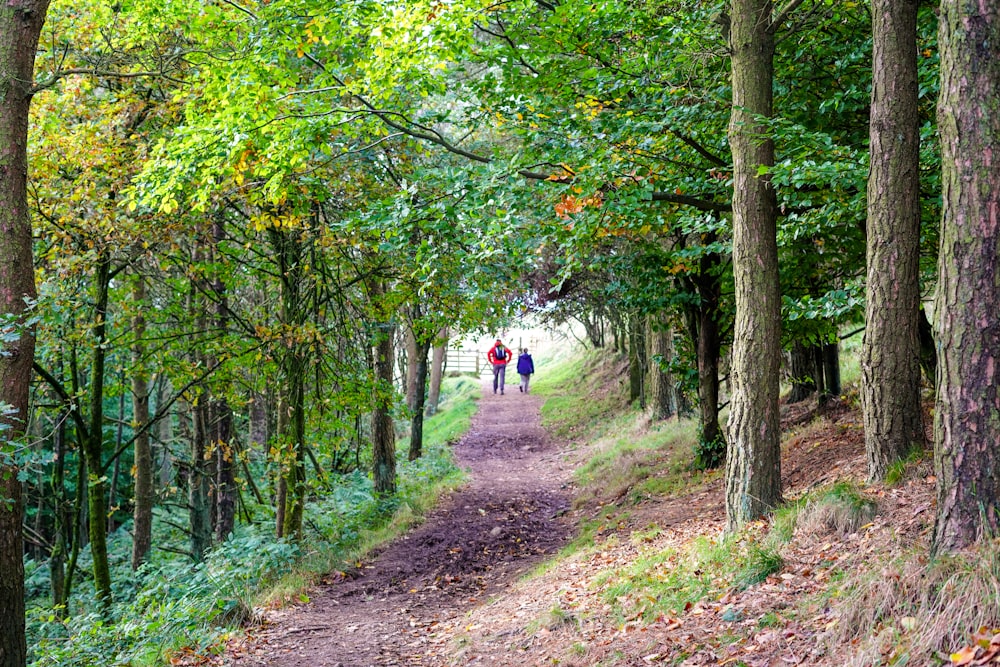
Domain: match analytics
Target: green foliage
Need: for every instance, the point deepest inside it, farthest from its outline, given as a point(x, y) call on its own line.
point(171, 608)
point(709, 455)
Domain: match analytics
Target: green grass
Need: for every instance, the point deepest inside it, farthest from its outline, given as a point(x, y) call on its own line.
point(667, 581)
point(575, 400)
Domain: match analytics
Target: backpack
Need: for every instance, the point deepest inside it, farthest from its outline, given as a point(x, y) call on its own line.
point(499, 353)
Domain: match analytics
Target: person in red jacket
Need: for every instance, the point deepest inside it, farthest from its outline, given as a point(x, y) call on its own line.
point(499, 356)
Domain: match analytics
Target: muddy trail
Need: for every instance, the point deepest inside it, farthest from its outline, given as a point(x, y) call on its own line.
point(402, 606)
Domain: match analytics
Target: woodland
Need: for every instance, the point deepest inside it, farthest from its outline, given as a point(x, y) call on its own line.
point(237, 237)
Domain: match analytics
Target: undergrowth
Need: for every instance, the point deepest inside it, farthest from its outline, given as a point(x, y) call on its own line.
point(911, 608)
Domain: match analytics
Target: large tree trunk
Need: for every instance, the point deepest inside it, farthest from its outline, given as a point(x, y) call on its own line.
point(967, 414)
point(142, 514)
point(20, 25)
point(753, 470)
point(890, 356)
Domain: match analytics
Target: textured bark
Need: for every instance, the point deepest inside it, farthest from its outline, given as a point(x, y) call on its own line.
point(890, 357)
point(753, 463)
point(142, 513)
point(20, 25)
point(709, 347)
point(663, 393)
point(199, 481)
point(967, 414)
point(419, 397)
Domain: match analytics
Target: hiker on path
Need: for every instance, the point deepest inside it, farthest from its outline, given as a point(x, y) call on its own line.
point(499, 356)
point(525, 367)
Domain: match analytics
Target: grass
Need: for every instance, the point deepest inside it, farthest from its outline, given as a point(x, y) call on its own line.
point(576, 402)
point(668, 581)
point(914, 607)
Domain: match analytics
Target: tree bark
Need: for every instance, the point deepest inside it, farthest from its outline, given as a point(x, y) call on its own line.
point(419, 397)
point(708, 348)
point(93, 444)
point(20, 26)
point(967, 414)
point(890, 356)
point(753, 469)
point(142, 514)
point(383, 434)
point(224, 507)
point(662, 389)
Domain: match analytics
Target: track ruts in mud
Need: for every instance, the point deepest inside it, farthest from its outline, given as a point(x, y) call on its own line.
point(480, 538)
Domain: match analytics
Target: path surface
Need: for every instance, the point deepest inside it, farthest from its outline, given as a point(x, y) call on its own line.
point(481, 538)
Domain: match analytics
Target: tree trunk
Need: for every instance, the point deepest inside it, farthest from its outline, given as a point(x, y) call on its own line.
point(419, 394)
point(831, 370)
point(199, 480)
point(967, 411)
point(437, 371)
point(224, 519)
point(753, 470)
point(57, 558)
point(411, 366)
point(803, 373)
point(20, 25)
point(165, 435)
point(295, 437)
point(663, 393)
point(93, 445)
point(142, 524)
point(224, 507)
point(383, 434)
point(928, 350)
point(890, 355)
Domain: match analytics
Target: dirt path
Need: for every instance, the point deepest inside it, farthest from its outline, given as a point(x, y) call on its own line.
point(404, 606)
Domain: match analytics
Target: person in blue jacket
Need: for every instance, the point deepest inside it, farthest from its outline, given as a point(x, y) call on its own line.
point(525, 367)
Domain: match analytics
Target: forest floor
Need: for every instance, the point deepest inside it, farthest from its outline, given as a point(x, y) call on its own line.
point(453, 591)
